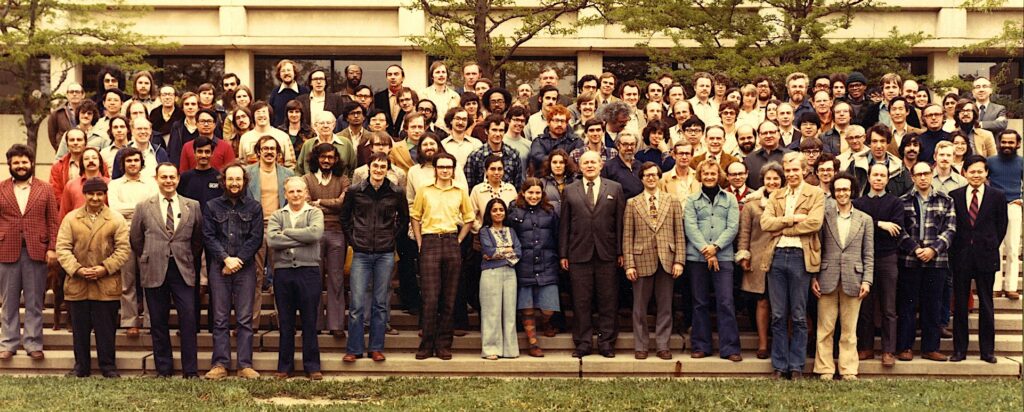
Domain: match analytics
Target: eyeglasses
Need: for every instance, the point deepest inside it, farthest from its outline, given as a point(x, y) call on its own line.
point(206, 121)
point(737, 174)
point(933, 115)
point(683, 153)
point(425, 110)
point(444, 167)
point(654, 175)
point(693, 130)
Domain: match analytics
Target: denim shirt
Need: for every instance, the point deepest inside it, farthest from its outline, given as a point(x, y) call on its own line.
point(233, 228)
point(711, 222)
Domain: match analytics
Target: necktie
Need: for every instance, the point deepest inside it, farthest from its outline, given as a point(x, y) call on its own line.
point(981, 112)
point(590, 193)
point(654, 208)
point(393, 100)
point(169, 225)
point(972, 211)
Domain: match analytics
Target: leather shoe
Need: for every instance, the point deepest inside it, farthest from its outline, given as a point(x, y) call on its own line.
point(132, 332)
point(338, 334)
point(282, 375)
point(377, 356)
point(735, 357)
point(640, 354)
point(76, 374)
point(315, 376)
point(5, 355)
point(423, 354)
point(957, 357)
point(698, 355)
point(796, 375)
point(444, 354)
point(866, 354)
point(989, 359)
point(1013, 295)
point(763, 354)
point(535, 351)
point(608, 353)
point(580, 352)
point(459, 332)
point(946, 334)
point(777, 376)
point(665, 354)
point(935, 356)
point(349, 357)
point(36, 355)
point(888, 360)
point(906, 356)
point(111, 375)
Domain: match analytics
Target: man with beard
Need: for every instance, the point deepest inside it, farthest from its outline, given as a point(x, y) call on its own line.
point(765, 93)
point(496, 100)
point(287, 91)
point(166, 234)
point(353, 79)
point(1005, 174)
point(232, 233)
point(930, 138)
point(323, 124)
point(796, 86)
point(746, 140)
point(909, 151)
point(558, 136)
point(326, 185)
point(123, 194)
point(28, 210)
point(220, 154)
point(547, 98)
point(92, 166)
point(266, 185)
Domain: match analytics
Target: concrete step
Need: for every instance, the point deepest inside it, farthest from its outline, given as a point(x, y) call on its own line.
point(554, 364)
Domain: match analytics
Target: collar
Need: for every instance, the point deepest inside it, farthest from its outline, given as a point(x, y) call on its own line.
point(294, 87)
point(799, 189)
point(876, 194)
point(174, 199)
point(305, 206)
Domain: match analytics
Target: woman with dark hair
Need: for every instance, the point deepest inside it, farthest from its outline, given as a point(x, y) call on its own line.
point(298, 132)
point(88, 113)
point(557, 172)
point(471, 102)
point(655, 134)
point(501, 250)
point(753, 251)
point(535, 221)
point(949, 112)
point(838, 86)
point(961, 150)
point(326, 182)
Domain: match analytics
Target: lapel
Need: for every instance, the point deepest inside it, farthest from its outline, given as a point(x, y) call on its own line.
point(602, 194)
point(185, 213)
point(833, 225)
point(664, 206)
point(7, 193)
point(583, 195)
point(160, 215)
point(33, 195)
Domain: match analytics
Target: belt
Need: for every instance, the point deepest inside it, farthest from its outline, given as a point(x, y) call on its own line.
point(440, 235)
point(789, 249)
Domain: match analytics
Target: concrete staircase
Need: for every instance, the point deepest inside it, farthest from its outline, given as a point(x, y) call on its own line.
point(135, 358)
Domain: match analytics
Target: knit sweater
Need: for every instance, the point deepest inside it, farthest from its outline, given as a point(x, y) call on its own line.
point(1005, 174)
point(330, 197)
point(887, 208)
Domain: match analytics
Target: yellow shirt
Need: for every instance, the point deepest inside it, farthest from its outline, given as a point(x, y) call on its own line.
point(442, 211)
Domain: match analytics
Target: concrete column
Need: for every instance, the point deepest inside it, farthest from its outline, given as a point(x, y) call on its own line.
point(415, 64)
point(233, 21)
point(242, 63)
point(57, 66)
point(943, 66)
point(589, 62)
point(411, 22)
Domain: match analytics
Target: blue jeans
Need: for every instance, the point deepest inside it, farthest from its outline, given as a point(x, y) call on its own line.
point(703, 280)
point(788, 282)
point(369, 271)
point(227, 292)
point(298, 289)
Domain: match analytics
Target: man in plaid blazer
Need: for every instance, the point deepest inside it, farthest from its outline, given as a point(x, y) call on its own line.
point(654, 228)
point(28, 234)
point(929, 225)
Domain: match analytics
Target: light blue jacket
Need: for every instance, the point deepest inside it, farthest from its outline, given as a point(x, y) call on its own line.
point(253, 171)
point(708, 222)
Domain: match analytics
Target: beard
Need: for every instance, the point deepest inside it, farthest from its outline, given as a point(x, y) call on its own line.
point(22, 176)
point(747, 147)
point(233, 195)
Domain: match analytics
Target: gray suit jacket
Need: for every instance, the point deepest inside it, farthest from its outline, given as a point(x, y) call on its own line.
point(848, 264)
point(587, 232)
point(154, 246)
point(994, 119)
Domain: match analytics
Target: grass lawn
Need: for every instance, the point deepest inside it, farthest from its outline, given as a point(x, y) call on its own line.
point(68, 394)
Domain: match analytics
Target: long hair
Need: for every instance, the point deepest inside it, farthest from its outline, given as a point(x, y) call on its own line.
point(313, 161)
point(423, 160)
point(527, 184)
point(488, 221)
point(570, 165)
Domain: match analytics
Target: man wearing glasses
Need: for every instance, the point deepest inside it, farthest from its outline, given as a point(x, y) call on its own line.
point(63, 118)
point(323, 124)
point(931, 137)
point(363, 96)
point(319, 99)
point(770, 151)
point(714, 140)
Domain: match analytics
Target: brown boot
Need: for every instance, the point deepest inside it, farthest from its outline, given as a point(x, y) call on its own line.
point(549, 330)
point(536, 352)
point(866, 354)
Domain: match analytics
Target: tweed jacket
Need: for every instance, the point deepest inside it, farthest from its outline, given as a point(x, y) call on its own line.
point(939, 219)
point(984, 142)
point(647, 242)
point(84, 242)
point(37, 227)
point(753, 245)
point(851, 264)
point(154, 246)
point(775, 221)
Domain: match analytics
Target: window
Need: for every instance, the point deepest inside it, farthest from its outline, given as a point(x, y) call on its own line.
point(373, 67)
point(628, 68)
point(1007, 76)
point(185, 73)
point(916, 65)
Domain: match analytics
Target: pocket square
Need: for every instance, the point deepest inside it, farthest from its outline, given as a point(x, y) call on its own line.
point(610, 197)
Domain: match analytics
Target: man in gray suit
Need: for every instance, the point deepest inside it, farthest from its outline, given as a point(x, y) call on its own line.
point(847, 269)
point(991, 116)
point(166, 235)
point(589, 245)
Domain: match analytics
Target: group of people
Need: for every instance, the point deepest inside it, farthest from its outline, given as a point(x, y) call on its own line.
point(818, 208)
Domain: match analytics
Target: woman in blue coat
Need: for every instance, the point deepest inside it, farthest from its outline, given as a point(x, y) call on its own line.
point(535, 222)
